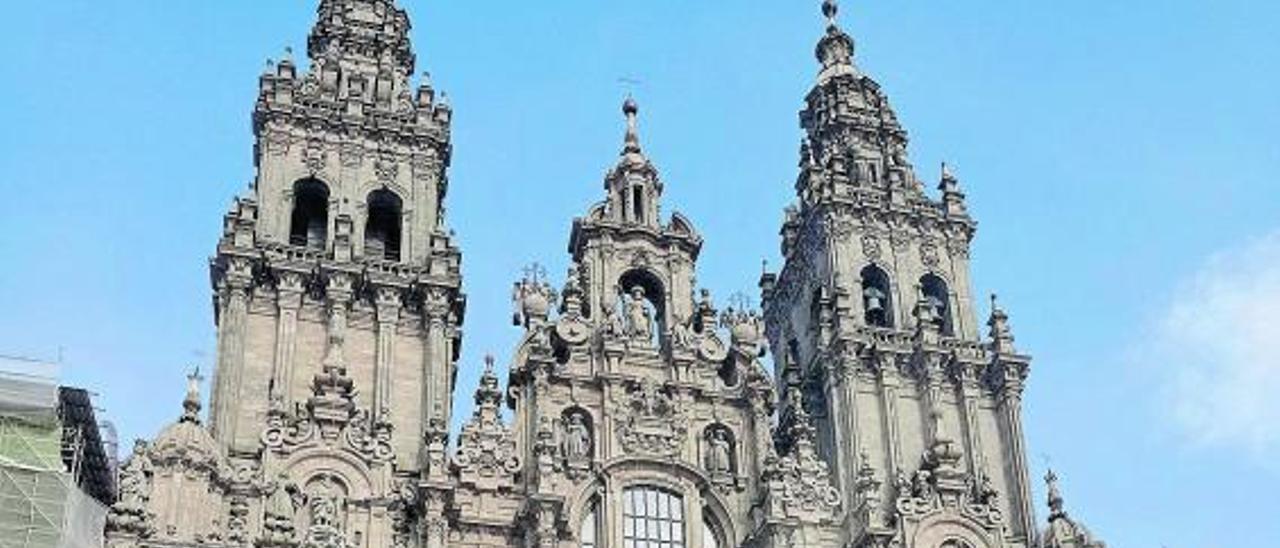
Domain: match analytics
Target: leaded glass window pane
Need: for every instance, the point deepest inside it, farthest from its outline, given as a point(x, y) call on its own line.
point(652, 518)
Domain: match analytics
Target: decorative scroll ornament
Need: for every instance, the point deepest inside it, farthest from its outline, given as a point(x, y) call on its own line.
point(651, 423)
point(871, 247)
point(330, 417)
point(487, 456)
point(929, 253)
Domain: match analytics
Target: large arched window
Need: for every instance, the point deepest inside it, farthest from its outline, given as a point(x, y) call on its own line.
point(939, 300)
point(652, 518)
point(877, 303)
point(309, 224)
point(382, 228)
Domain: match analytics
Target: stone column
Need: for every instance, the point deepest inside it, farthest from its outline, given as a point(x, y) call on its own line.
point(234, 301)
point(289, 289)
point(388, 313)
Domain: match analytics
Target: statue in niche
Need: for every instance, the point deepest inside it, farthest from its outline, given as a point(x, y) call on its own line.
point(577, 437)
point(719, 452)
point(639, 317)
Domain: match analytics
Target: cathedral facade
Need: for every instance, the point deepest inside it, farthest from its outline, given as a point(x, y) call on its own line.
point(642, 412)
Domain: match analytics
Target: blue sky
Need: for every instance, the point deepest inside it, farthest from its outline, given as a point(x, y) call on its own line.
point(1121, 158)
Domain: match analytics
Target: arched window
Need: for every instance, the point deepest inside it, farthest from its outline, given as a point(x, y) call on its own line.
point(309, 224)
point(939, 300)
point(652, 518)
point(589, 531)
point(382, 229)
point(877, 302)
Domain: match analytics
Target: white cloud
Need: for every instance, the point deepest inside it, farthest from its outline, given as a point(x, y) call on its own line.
point(1217, 350)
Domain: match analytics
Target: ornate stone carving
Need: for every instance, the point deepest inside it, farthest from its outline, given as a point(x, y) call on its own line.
point(650, 422)
point(130, 515)
point(532, 298)
point(329, 416)
point(487, 458)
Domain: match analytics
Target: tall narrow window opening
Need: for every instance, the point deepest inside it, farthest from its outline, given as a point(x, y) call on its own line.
point(309, 223)
point(637, 202)
point(382, 230)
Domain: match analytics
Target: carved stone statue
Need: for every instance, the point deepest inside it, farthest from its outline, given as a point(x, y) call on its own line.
point(719, 452)
point(639, 317)
point(613, 326)
point(577, 437)
point(682, 335)
point(135, 478)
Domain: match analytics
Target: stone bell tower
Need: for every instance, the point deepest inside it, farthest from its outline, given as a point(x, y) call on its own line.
point(339, 256)
point(337, 305)
point(874, 317)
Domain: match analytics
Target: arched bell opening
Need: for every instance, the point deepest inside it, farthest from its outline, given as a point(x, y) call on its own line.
point(383, 225)
point(938, 298)
point(877, 303)
point(309, 223)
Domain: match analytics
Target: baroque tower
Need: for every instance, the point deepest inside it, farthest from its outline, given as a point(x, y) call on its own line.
point(873, 320)
point(337, 303)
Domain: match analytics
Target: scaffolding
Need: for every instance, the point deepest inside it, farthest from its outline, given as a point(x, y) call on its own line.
point(41, 503)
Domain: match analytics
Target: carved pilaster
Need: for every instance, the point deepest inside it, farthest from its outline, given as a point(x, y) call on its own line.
point(388, 305)
point(289, 289)
point(233, 297)
point(436, 363)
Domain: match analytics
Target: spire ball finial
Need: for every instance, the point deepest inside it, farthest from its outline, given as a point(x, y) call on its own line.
point(630, 107)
